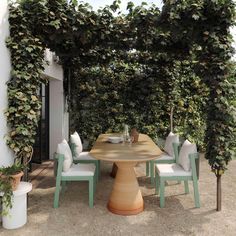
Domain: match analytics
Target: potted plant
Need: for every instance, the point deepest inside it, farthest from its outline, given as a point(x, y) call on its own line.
point(9, 180)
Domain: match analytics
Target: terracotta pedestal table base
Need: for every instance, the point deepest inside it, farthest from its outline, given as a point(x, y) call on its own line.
point(126, 197)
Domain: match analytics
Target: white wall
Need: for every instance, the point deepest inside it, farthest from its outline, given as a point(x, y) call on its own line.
point(6, 157)
point(59, 122)
point(66, 123)
point(58, 117)
point(52, 69)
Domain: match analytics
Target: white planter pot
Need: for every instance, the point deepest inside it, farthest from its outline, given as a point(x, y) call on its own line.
point(17, 215)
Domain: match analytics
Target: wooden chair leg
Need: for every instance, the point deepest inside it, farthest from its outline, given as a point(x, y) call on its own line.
point(91, 192)
point(186, 186)
point(196, 193)
point(162, 192)
point(152, 171)
point(147, 168)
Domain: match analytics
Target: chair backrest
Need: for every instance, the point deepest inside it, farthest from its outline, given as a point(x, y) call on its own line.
point(176, 148)
point(194, 156)
point(160, 143)
point(72, 148)
point(55, 164)
point(195, 163)
point(58, 163)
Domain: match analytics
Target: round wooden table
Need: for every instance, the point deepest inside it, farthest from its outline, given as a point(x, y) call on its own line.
point(126, 197)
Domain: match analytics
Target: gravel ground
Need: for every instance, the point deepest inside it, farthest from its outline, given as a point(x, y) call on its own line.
point(179, 217)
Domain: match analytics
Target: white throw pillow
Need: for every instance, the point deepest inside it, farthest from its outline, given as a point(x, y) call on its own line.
point(185, 150)
point(171, 138)
point(64, 148)
point(75, 139)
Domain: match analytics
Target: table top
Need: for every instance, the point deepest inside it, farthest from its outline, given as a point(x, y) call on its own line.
point(145, 149)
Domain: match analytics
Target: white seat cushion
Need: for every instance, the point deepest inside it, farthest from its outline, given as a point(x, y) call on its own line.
point(80, 170)
point(186, 149)
point(75, 139)
point(171, 170)
point(164, 157)
point(84, 156)
point(171, 138)
point(64, 148)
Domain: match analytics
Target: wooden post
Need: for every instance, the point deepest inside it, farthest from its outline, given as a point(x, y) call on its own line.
point(171, 118)
point(219, 194)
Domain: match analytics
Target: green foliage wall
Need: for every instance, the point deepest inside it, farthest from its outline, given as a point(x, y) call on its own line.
point(27, 55)
point(103, 97)
point(131, 69)
point(210, 50)
point(146, 80)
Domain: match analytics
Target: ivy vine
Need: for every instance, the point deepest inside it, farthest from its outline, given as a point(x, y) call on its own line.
point(130, 68)
point(27, 55)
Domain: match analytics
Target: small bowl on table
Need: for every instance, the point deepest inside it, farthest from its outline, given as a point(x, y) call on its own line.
point(115, 139)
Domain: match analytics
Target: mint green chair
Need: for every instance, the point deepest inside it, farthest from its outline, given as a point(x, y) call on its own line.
point(167, 157)
point(84, 157)
point(163, 159)
point(165, 172)
point(77, 172)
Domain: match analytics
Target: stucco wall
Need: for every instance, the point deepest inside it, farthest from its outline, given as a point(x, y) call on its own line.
point(52, 69)
point(59, 124)
point(6, 156)
point(58, 117)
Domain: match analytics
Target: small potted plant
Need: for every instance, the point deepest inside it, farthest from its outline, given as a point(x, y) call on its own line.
point(9, 180)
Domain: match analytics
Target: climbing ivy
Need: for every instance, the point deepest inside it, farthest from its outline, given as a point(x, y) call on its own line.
point(210, 50)
point(129, 68)
point(130, 93)
point(27, 55)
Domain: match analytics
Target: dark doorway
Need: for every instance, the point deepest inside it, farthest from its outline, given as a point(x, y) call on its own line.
point(41, 146)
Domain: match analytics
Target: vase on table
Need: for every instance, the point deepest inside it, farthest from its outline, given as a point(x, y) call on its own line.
point(135, 134)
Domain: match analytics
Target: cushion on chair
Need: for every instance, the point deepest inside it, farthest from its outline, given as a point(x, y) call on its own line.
point(171, 170)
point(75, 139)
point(164, 157)
point(80, 170)
point(171, 138)
point(84, 156)
point(186, 149)
point(64, 148)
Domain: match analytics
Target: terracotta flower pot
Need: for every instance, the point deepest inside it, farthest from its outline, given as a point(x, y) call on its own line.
point(15, 180)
